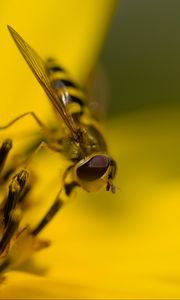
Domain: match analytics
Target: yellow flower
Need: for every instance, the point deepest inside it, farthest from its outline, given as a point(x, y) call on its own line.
point(122, 246)
point(73, 32)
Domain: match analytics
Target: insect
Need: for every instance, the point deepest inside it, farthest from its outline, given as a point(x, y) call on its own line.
point(82, 142)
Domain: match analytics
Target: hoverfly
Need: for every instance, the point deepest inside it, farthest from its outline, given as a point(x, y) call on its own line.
point(82, 143)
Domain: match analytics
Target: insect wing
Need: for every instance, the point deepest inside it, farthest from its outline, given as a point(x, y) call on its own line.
point(97, 90)
point(37, 66)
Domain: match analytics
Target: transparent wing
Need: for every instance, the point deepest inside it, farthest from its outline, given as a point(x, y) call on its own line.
point(97, 90)
point(37, 66)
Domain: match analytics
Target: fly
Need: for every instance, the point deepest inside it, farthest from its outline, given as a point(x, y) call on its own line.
point(82, 144)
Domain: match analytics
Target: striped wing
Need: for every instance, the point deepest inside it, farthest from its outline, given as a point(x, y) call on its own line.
point(37, 66)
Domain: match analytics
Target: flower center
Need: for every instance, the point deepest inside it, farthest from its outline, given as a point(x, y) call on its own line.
point(17, 242)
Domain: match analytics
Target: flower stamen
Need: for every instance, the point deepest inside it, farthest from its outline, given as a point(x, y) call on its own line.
point(17, 242)
point(4, 150)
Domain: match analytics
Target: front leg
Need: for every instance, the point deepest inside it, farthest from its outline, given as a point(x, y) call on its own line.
point(61, 199)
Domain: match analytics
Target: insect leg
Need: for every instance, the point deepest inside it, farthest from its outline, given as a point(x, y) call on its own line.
point(25, 158)
point(54, 147)
point(55, 207)
point(57, 204)
point(46, 131)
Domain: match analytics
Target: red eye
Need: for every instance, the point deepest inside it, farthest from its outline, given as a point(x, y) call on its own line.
point(94, 169)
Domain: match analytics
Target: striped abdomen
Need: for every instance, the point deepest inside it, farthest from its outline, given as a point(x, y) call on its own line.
point(74, 100)
point(70, 93)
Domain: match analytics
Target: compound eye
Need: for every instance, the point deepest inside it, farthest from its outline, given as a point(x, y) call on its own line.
point(94, 169)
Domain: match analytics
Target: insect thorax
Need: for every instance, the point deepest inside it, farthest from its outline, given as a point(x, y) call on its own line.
point(91, 141)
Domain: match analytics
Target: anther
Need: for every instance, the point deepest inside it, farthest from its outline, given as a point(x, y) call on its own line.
point(4, 150)
point(10, 230)
point(4, 265)
point(16, 189)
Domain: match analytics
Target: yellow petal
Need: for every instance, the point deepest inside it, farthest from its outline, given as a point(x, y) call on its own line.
point(19, 285)
point(71, 31)
point(125, 245)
